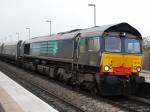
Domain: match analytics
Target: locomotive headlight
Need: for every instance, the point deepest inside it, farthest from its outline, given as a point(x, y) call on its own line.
point(138, 68)
point(106, 68)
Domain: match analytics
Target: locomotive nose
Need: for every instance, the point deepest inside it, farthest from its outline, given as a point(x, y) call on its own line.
point(121, 64)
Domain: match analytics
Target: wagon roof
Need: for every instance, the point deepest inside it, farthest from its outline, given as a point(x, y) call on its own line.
point(11, 43)
point(100, 30)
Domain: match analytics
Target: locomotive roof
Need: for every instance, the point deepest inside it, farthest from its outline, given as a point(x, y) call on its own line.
point(98, 30)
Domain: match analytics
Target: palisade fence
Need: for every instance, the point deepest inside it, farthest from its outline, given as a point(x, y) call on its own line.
point(146, 51)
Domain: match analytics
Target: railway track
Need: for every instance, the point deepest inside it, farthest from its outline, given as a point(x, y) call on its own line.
point(34, 88)
point(130, 103)
point(78, 109)
point(80, 102)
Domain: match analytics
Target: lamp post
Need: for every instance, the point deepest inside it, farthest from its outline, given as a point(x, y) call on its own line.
point(49, 21)
point(93, 5)
point(29, 32)
point(17, 35)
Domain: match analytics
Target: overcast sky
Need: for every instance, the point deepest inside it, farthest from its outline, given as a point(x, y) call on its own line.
point(16, 15)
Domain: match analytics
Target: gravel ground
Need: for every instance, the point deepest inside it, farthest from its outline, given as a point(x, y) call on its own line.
point(88, 104)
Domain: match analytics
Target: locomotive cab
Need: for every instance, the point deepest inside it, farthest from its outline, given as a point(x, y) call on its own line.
point(114, 54)
point(120, 64)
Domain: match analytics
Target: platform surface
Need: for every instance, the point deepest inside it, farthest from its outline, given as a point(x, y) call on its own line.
point(146, 74)
point(17, 99)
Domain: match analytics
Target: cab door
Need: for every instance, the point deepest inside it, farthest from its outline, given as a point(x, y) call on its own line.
point(83, 49)
point(94, 51)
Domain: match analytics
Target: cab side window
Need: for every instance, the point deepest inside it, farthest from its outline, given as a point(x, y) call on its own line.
point(83, 45)
point(93, 44)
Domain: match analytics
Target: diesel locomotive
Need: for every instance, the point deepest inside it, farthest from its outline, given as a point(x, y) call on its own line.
point(105, 59)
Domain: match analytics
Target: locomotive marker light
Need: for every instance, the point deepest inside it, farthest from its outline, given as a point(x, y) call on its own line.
point(49, 21)
point(93, 5)
point(138, 68)
point(106, 68)
point(123, 34)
